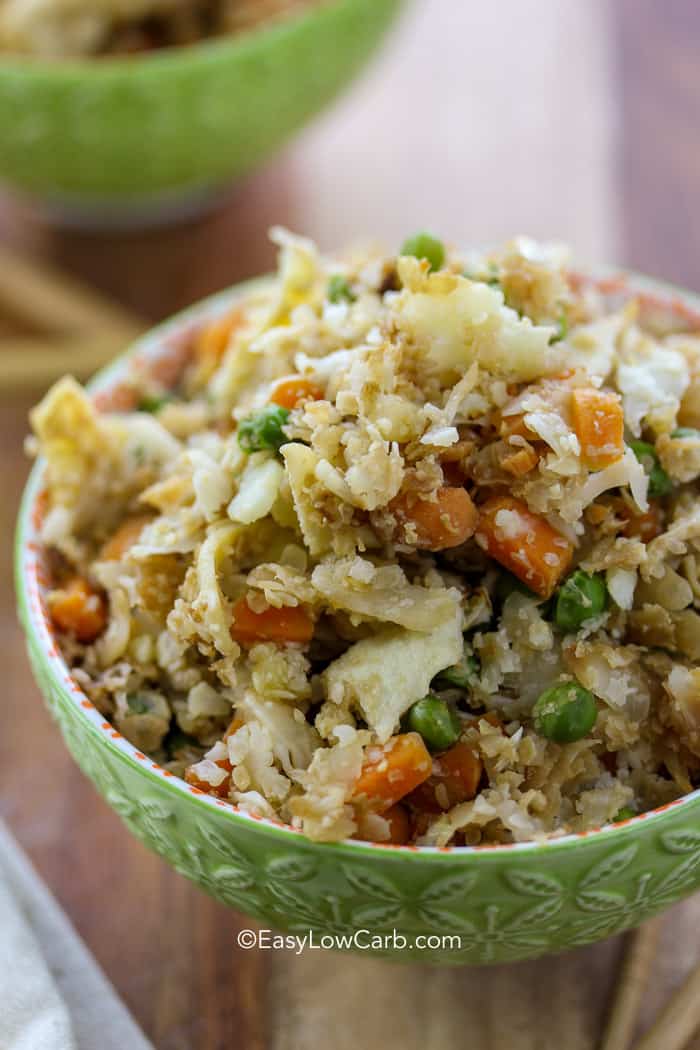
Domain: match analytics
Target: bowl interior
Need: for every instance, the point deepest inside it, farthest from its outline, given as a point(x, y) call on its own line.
point(163, 352)
point(193, 118)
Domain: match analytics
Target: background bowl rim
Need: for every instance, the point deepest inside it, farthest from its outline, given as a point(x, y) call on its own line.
point(150, 345)
point(167, 59)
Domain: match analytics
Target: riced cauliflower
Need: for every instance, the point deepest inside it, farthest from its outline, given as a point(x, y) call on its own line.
point(410, 551)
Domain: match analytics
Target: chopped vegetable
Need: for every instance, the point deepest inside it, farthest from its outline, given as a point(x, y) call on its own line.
point(435, 525)
point(660, 483)
point(521, 462)
point(462, 675)
point(289, 624)
point(425, 246)
point(234, 725)
point(124, 538)
point(291, 392)
point(513, 426)
point(580, 598)
point(339, 290)
point(455, 779)
point(685, 432)
point(562, 326)
point(399, 825)
point(79, 609)
point(385, 674)
point(153, 403)
point(565, 712)
point(644, 527)
point(220, 790)
point(392, 771)
point(599, 424)
point(436, 721)
point(624, 814)
point(523, 543)
point(212, 341)
point(137, 704)
point(264, 430)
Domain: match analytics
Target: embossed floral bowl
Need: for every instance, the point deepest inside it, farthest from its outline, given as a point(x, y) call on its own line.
point(153, 135)
point(459, 905)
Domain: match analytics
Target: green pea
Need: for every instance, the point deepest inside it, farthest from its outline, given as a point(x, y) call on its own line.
point(153, 403)
point(579, 599)
point(264, 430)
point(624, 814)
point(436, 722)
point(462, 675)
point(494, 278)
point(685, 432)
point(660, 483)
point(565, 712)
point(137, 704)
point(425, 246)
point(339, 290)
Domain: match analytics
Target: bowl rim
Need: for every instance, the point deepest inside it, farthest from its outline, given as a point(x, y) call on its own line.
point(207, 49)
point(34, 620)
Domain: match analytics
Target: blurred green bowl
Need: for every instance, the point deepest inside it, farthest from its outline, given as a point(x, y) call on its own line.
point(177, 123)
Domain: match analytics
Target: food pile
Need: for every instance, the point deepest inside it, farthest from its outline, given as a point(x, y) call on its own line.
point(74, 28)
point(409, 551)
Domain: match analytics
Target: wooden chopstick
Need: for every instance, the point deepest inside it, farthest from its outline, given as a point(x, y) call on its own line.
point(622, 1019)
point(46, 299)
point(78, 329)
point(678, 1021)
point(34, 362)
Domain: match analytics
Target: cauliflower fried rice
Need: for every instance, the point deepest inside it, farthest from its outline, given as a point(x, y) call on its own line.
point(408, 551)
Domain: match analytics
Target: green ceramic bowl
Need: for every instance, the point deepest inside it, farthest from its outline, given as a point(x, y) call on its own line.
point(169, 126)
point(459, 905)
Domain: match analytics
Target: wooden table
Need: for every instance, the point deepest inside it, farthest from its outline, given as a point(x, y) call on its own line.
point(602, 151)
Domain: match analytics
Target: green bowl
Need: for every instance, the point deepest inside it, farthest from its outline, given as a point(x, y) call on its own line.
point(452, 905)
point(169, 126)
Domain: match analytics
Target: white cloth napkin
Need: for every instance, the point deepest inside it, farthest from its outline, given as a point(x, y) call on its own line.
point(53, 996)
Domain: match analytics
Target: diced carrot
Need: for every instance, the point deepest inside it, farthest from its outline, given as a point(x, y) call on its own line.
point(596, 513)
point(514, 426)
point(521, 461)
point(398, 819)
point(492, 718)
point(457, 452)
point(437, 524)
point(393, 770)
point(79, 609)
point(219, 790)
point(211, 342)
point(291, 392)
point(599, 424)
point(455, 778)
point(287, 624)
point(235, 724)
point(125, 537)
point(646, 526)
point(399, 825)
point(630, 522)
point(523, 543)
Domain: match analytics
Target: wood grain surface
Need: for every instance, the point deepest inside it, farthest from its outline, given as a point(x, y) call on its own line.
point(169, 950)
